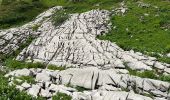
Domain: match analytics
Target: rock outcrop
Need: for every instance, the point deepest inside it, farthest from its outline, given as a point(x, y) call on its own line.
point(74, 44)
point(101, 84)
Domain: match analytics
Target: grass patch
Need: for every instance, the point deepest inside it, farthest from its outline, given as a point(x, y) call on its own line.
point(61, 96)
point(35, 27)
point(149, 74)
point(17, 12)
point(54, 67)
point(59, 17)
point(14, 64)
point(28, 79)
point(81, 89)
point(141, 29)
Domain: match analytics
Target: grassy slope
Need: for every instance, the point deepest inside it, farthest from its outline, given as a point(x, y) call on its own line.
point(16, 13)
point(141, 32)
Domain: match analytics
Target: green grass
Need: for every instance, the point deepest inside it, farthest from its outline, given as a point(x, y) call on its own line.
point(28, 79)
point(59, 17)
point(81, 89)
point(14, 64)
point(54, 67)
point(61, 96)
point(16, 13)
point(35, 27)
point(140, 32)
point(150, 74)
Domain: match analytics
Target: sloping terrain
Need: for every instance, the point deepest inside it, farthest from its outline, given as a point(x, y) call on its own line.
point(90, 69)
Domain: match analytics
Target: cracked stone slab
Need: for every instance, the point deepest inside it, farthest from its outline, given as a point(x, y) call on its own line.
point(110, 82)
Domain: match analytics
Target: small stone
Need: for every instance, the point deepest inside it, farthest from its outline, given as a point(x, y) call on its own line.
point(159, 65)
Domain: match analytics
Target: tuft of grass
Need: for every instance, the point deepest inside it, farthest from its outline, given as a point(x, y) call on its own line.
point(149, 74)
point(28, 79)
point(81, 89)
point(35, 27)
point(59, 17)
point(61, 96)
point(54, 67)
point(148, 95)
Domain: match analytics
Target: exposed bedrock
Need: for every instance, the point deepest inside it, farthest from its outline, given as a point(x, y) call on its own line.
point(102, 84)
point(74, 44)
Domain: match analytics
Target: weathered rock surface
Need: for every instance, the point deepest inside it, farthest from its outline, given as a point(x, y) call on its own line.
point(101, 84)
point(74, 44)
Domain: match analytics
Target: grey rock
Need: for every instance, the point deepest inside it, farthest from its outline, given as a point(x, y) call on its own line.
point(43, 76)
point(34, 90)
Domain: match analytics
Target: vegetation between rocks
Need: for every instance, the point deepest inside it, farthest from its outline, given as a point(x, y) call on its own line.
point(61, 96)
point(149, 74)
point(22, 79)
point(13, 54)
point(11, 93)
point(14, 64)
point(59, 17)
point(54, 67)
